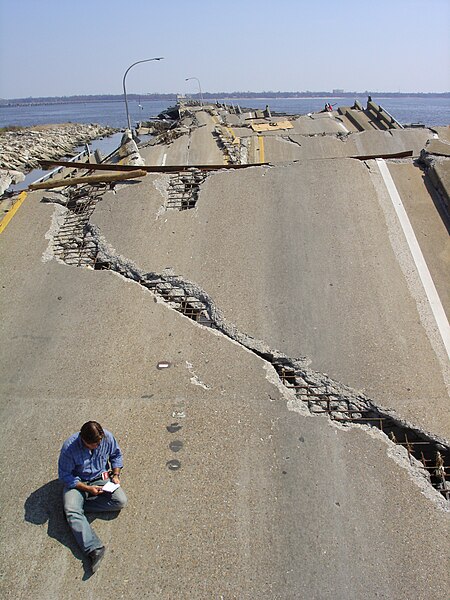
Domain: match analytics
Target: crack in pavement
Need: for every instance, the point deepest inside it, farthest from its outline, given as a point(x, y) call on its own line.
point(427, 457)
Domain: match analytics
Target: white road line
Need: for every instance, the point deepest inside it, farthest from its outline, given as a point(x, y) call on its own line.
point(424, 273)
point(164, 160)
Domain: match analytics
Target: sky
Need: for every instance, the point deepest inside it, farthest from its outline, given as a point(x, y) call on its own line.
point(69, 47)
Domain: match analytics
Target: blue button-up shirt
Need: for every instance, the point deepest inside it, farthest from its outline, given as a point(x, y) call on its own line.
point(78, 463)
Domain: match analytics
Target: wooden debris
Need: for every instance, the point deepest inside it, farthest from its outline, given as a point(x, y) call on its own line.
point(148, 168)
point(105, 178)
point(272, 126)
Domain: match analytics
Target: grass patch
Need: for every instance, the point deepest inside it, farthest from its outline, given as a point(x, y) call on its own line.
point(11, 128)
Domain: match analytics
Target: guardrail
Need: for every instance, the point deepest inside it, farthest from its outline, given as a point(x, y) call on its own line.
point(86, 153)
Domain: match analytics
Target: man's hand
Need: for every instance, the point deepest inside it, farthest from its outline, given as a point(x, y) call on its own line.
point(114, 477)
point(94, 490)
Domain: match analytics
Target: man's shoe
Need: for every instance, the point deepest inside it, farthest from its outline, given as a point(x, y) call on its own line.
point(96, 556)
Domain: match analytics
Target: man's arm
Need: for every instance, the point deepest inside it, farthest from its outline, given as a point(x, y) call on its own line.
point(66, 466)
point(115, 459)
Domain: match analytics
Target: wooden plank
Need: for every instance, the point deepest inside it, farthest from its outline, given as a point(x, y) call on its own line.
point(148, 168)
point(403, 154)
point(272, 126)
point(105, 178)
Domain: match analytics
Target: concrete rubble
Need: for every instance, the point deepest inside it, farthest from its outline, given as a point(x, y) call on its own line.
point(9, 176)
point(436, 158)
point(128, 151)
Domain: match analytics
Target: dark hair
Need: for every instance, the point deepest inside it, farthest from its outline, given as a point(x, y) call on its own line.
point(92, 432)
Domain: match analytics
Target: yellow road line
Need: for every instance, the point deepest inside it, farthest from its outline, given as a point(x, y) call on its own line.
point(235, 139)
point(12, 211)
point(261, 148)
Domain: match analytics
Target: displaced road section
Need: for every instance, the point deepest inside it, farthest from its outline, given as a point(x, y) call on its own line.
point(300, 260)
point(268, 501)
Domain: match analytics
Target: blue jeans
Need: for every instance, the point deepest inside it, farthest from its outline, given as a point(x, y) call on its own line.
point(76, 503)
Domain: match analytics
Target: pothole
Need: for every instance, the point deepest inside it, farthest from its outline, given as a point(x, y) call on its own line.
point(184, 189)
point(176, 445)
point(174, 427)
point(74, 243)
point(173, 465)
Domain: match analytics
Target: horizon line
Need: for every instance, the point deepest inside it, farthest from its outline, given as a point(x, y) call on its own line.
point(262, 93)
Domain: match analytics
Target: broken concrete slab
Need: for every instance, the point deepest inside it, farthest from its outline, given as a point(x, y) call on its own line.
point(440, 177)
point(129, 152)
point(292, 146)
point(429, 227)
point(237, 500)
point(436, 158)
point(314, 307)
point(7, 177)
point(438, 147)
point(317, 124)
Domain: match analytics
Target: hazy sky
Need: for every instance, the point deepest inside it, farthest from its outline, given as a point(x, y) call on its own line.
point(65, 47)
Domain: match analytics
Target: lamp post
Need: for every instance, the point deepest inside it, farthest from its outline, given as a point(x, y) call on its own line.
point(199, 87)
point(125, 89)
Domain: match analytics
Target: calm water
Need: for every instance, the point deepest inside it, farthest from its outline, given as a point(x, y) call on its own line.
point(104, 113)
point(429, 111)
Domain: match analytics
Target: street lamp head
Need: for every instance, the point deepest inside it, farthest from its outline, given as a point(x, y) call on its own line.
point(199, 88)
point(124, 86)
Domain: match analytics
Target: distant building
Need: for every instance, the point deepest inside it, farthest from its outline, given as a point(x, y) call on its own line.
point(338, 91)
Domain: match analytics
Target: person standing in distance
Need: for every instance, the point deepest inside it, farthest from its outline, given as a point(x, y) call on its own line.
point(89, 459)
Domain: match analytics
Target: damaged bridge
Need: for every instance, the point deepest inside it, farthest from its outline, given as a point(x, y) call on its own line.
point(262, 320)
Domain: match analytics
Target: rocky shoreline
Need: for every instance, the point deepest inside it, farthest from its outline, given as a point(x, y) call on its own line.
point(22, 148)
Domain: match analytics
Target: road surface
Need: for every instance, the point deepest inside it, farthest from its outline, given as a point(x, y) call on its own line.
point(269, 501)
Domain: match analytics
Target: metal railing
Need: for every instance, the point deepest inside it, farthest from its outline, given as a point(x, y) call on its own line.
point(86, 153)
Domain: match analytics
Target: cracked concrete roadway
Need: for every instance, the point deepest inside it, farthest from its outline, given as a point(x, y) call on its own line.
point(268, 502)
point(195, 147)
point(304, 284)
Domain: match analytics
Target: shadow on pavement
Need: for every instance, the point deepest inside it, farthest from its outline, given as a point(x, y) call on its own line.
point(45, 505)
point(438, 202)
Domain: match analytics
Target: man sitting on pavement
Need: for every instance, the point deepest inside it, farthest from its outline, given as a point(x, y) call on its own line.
point(88, 460)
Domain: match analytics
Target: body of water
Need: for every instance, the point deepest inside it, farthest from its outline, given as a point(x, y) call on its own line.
point(103, 113)
point(429, 111)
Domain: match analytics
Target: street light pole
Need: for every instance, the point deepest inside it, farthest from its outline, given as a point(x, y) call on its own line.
point(199, 87)
point(125, 89)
